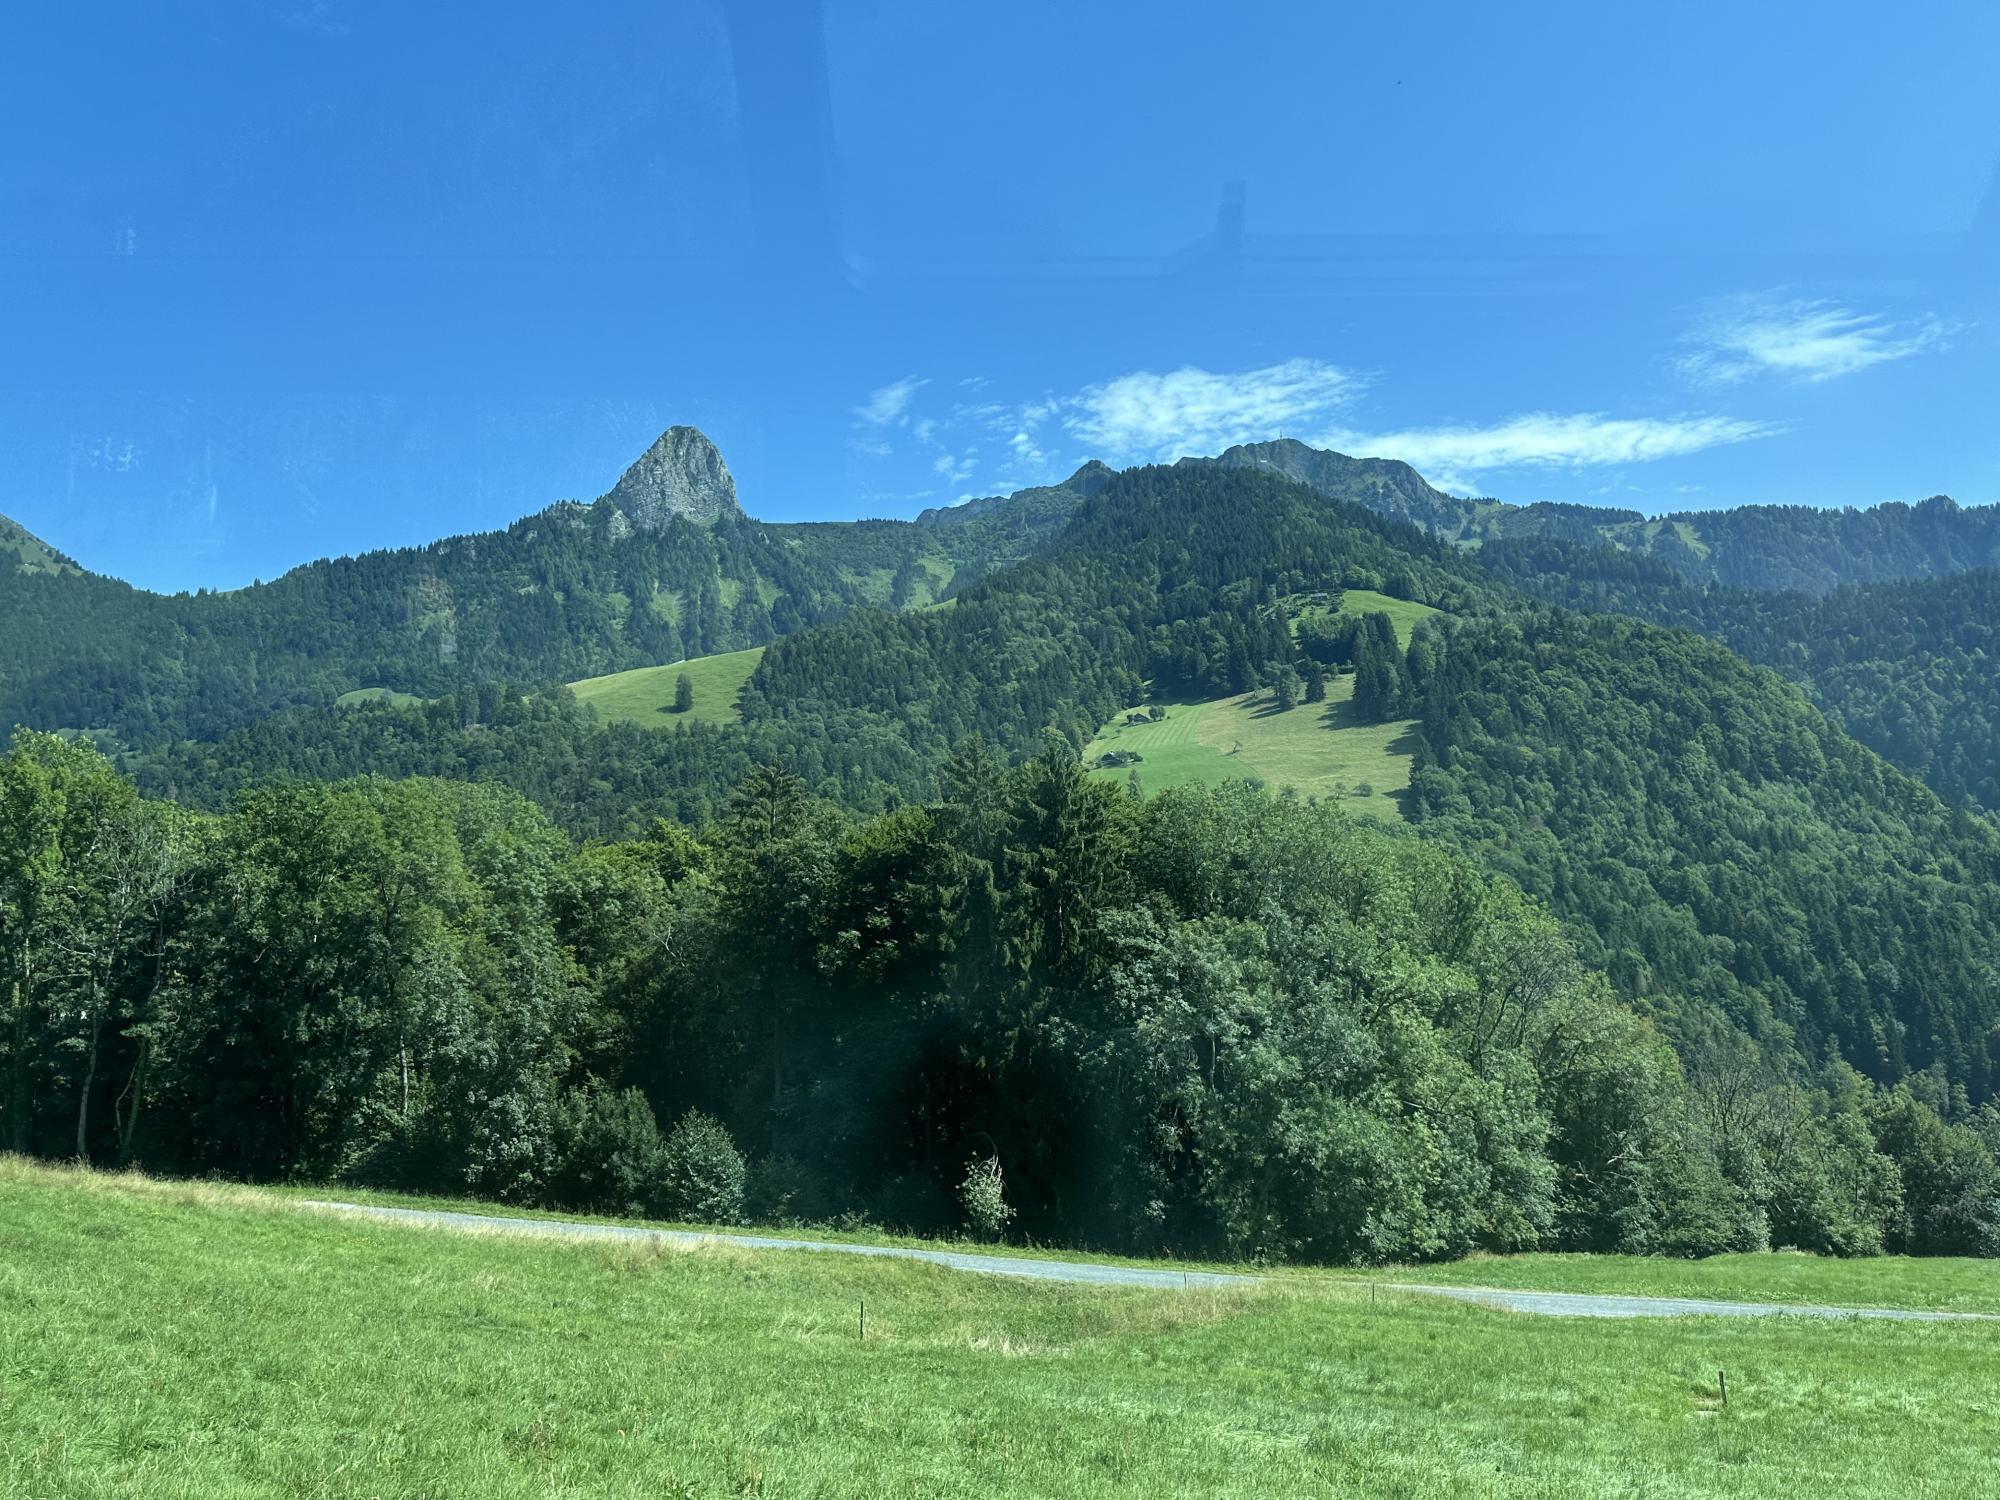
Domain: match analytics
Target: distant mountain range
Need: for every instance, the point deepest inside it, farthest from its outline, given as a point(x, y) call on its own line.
point(667, 565)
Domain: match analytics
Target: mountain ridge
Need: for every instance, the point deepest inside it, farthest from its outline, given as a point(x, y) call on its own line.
point(34, 555)
point(683, 475)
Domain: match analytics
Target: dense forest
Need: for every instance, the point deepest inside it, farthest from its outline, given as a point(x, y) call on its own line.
point(1219, 1022)
point(1910, 668)
point(1716, 841)
point(580, 590)
point(1716, 846)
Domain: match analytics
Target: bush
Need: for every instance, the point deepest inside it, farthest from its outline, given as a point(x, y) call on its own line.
point(701, 1173)
point(983, 1195)
point(611, 1153)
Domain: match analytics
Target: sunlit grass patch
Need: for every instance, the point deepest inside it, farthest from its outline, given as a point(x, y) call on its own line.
point(1317, 749)
point(645, 695)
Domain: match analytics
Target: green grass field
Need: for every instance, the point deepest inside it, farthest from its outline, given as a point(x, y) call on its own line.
point(376, 695)
point(1404, 614)
point(173, 1342)
point(645, 695)
point(1315, 748)
point(36, 555)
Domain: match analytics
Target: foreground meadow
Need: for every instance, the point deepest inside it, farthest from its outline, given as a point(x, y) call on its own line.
point(172, 1341)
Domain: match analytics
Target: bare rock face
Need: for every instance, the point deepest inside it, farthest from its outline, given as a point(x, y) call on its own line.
point(682, 474)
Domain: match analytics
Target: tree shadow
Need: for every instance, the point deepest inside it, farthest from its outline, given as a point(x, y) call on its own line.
point(1266, 709)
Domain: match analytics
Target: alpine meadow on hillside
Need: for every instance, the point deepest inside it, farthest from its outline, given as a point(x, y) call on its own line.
point(821, 750)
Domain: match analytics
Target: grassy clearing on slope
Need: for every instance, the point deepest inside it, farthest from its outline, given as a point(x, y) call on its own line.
point(36, 555)
point(1318, 749)
point(376, 695)
point(645, 695)
point(1942, 1284)
point(1404, 614)
point(175, 1342)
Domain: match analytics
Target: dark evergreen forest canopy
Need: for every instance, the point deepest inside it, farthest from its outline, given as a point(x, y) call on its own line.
point(1664, 959)
point(1910, 668)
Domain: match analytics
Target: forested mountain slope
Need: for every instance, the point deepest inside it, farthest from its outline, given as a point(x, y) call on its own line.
point(1715, 840)
point(1167, 579)
point(1716, 845)
point(663, 567)
point(1751, 546)
point(984, 534)
point(21, 551)
point(1724, 848)
point(1910, 668)
point(666, 566)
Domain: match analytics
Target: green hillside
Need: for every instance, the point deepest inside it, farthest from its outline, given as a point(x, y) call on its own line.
point(1316, 749)
point(1911, 668)
point(645, 695)
point(34, 555)
point(1751, 546)
point(1405, 614)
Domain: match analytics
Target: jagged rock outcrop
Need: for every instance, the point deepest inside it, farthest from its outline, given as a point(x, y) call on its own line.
point(682, 474)
point(1387, 486)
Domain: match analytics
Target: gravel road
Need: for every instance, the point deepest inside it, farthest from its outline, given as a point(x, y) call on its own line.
point(1549, 1304)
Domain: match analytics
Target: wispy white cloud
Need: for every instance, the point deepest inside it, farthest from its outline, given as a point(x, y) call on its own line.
point(1145, 417)
point(1450, 455)
point(1148, 416)
point(887, 407)
point(1767, 334)
point(955, 468)
point(889, 404)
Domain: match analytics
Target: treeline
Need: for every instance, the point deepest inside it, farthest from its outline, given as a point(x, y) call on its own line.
point(1766, 548)
point(1813, 549)
point(1217, 1023)
point(1389, 677)
point(1911, 669)
point(595, 780)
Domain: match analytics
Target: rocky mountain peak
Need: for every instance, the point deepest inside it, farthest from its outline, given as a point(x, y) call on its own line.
point(1092, 477)
point(682, 474)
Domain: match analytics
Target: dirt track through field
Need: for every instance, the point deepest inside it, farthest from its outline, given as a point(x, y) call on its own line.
point(1547, 1304)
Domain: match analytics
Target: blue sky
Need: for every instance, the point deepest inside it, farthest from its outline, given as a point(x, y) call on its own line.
point(280, 280)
